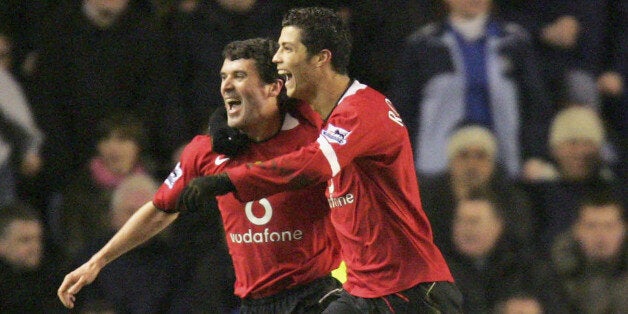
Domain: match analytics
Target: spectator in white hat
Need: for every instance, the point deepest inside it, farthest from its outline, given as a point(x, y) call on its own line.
point(576, 139)
point(472, 155)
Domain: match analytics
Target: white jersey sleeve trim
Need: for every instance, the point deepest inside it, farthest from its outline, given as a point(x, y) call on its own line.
point(329, 154)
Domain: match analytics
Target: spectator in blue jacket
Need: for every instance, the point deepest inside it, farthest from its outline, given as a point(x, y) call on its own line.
point(471, 66)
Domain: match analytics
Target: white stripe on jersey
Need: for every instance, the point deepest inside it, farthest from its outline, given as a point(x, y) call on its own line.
point(329, 154)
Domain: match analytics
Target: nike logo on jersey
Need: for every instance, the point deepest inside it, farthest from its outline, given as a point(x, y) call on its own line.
point(220, 160)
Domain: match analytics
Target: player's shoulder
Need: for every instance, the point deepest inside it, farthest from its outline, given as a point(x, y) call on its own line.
point(199, 145)
point(202, 140)
point(360, 94)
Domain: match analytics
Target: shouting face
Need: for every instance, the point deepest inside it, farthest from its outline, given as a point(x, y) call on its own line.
point(247, 98)
point(295, 64)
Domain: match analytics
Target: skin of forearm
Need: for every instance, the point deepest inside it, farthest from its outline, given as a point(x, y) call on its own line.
point(142, 226)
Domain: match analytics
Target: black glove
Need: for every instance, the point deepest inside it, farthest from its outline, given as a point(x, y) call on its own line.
point(200, 192)
point(226, 140)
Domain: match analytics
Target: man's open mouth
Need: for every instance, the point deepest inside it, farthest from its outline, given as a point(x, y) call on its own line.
point(232, 102)
point(285, 75)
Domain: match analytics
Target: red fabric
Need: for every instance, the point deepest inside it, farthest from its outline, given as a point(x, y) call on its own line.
point(376, 210)
point(278, 242)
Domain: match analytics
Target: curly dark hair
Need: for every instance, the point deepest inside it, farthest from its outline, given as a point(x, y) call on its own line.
point(322, 28)
point(259, 49)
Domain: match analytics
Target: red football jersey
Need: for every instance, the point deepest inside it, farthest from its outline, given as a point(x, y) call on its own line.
point(276, 242)
point(364, 154)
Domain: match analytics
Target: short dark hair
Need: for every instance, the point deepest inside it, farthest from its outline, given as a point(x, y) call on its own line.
point(259, 49)
point(123, 124)
point(487, 195)
point(322, 28)
point(16, 211)
point(601, 196)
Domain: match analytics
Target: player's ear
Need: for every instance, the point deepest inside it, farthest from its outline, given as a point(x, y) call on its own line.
point(274, 89)
point(323, 57)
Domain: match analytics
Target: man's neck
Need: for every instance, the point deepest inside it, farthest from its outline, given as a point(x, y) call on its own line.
point(266, 128)
point(471, 28)
point(328, 92)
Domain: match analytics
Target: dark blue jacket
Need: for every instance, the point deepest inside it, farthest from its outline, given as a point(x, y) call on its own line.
point(429, 85)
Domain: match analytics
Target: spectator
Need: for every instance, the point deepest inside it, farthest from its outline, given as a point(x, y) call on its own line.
point(84, 209)
point(379, 28)
point(519, 304)
point(487, 266)
point(96, 57)
point(20, 137)
point(472, 165)
point(152, 262)
point(571, 40)
point(28, 274)
point(474, 67)
point(556, 187)
point(592, 256)
point(22, 21)
point(583, 47)
point(612, 85)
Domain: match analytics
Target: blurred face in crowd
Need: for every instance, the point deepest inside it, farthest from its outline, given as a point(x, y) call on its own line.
point(601, 231)
point(5, 52)
point(521, 305)
point(120, 154)
point(126, 207)
point(105, 12)
point(472, 166)
point(21, 244)
point(577, 158)
point(295, 64)
point(468, 8)
point(476, 228)
point(239, 6)
point(248, 99)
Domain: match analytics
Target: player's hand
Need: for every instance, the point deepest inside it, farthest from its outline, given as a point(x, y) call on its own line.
point(75, 281)
point(199, 193)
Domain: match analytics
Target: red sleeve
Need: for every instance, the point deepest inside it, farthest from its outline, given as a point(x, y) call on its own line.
point(188, 168)
point(351, 132)
point(292, 171)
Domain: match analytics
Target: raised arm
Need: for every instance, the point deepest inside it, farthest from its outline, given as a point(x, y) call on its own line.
point(143, 225)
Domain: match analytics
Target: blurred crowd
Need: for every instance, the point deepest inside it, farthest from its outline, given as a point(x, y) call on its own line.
point(517, 112)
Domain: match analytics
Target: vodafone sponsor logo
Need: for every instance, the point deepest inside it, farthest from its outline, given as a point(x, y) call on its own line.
point(341, 200)
point(267, 235)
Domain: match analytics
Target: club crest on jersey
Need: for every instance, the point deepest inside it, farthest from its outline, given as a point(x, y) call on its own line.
point(176, 173)
point(335, 134)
